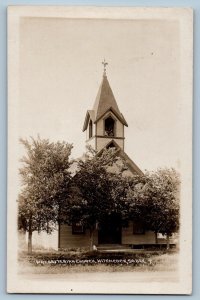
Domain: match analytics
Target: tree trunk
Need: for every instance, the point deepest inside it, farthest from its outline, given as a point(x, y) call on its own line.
point(156, 237)
point(168, 242)
point(29, 241)
point(30, 235)
point(91, 238)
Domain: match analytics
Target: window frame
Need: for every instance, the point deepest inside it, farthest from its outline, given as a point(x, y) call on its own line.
point(136, 226)
point(75, 231)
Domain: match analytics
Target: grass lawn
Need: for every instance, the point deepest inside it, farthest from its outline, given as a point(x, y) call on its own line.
point(42, 262)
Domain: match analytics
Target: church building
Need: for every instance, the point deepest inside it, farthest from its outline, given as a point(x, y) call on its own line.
point(104, 127)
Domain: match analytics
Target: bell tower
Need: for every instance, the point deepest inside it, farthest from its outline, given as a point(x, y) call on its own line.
point(104, 124)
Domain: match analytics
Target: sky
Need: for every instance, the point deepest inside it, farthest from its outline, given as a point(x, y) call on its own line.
point(61, 71)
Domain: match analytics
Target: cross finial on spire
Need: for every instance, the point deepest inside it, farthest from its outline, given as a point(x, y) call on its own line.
point(104, 63)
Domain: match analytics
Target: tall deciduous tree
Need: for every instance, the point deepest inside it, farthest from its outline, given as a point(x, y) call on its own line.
point(151, 198)
point(45, 185)
point(163, 202)
point(155, 202)
point(91, 198)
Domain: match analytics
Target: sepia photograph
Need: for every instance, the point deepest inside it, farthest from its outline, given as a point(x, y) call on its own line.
point(99, 150)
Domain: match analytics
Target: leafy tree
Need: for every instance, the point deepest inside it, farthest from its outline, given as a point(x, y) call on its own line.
point(136, 199)
point(156, 202)
point(153, 200)
point(163, 202)
point(91, 199)
point(120, 187)
point(99, 191)
point(45, 185)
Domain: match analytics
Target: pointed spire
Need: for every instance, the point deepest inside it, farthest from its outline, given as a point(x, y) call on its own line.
point(105, 100)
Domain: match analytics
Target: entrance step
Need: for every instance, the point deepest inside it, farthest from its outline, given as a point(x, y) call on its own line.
point(112, 247)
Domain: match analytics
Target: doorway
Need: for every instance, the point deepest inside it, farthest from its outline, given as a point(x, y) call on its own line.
point(110, 230)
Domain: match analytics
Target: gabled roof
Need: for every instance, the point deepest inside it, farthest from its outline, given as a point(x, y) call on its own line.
point(90, 114)
point(119, 116)
point(131, 165)
point(120, 153)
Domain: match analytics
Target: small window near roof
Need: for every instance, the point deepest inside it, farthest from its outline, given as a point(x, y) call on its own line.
point(90, 129)
point(77, 228)
point(111, 145)
point(138, 228)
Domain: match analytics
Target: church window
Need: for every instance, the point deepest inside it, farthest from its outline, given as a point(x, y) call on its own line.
point(77, 228)
point(90, 129)
point(138, 228)
point(109, 127)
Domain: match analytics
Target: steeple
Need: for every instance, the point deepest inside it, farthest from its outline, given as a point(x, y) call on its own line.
point(105, 100)
point(105, 123)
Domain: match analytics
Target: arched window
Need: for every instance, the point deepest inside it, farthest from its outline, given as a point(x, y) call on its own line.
point(109, 127)
point(90, 129)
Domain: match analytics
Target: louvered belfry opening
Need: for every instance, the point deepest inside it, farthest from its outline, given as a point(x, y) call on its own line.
point(109, 127)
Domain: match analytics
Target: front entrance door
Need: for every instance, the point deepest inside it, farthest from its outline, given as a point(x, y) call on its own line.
point(110, 230)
